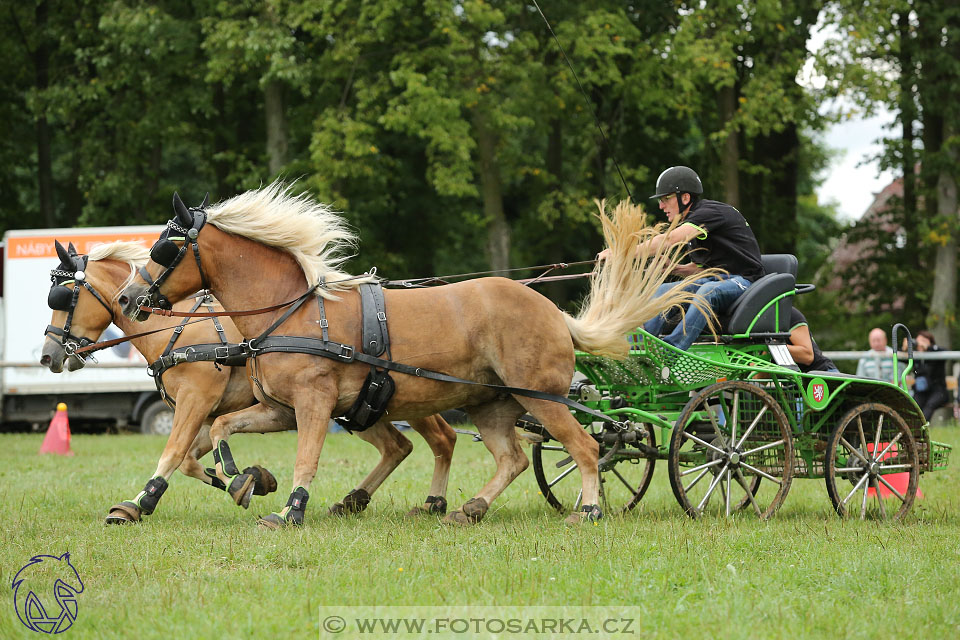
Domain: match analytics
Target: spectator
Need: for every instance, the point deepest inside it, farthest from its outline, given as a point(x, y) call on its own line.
point(804, 348)
point(878, 362)
point(929, 377)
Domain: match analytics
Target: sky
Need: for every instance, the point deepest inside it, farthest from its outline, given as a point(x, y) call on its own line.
point(853, 177)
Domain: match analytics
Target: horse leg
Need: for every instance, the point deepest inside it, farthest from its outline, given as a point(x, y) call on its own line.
point(582, 448)
point(313, 411)
point(189, 415)
point(259, 418)
point(393, 447)
point(442, 438)
point(495, 421)
point(263, 480)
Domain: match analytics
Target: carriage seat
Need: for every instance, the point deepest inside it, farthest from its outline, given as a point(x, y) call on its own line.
point(780, 278)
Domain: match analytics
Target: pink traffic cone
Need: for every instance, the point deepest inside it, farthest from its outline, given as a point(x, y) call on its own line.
point(57, 439)
point(899, 481)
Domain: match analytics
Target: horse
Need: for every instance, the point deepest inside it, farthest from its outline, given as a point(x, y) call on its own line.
point(201, 391)
point(269, 244)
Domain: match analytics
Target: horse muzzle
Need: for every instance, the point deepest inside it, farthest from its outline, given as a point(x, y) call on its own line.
point(135, 297)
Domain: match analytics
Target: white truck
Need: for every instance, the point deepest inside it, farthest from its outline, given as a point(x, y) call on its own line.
point(116, 391)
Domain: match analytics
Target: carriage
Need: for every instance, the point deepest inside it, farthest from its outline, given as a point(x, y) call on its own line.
point(736, 421)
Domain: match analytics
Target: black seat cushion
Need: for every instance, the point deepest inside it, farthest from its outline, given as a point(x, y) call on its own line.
point(741, 313)
point(781, 277)
point(780, 263)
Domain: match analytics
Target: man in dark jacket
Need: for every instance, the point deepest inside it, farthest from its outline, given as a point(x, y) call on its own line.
point(718, 237)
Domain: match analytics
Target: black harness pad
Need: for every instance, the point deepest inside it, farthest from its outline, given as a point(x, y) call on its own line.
point(379, 387)
point(371, 404)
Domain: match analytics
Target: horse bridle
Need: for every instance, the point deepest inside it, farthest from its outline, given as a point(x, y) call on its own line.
point(168, 254)
point(63, 298)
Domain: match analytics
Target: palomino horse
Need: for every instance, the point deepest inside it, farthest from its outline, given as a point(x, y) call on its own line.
point(200, 390)
point(268, 245)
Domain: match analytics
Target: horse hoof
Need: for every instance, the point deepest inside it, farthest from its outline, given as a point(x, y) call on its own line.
point(354, 502)
point(433, 505)
point(272, 521)
point(263, 481)
point(123, 513)
point(457, 518)
point(588, 513)
point(471, 512)
point(416, 512)
point(241, 489)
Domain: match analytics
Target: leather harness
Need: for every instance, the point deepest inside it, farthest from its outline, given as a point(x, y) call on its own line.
point(205, 352)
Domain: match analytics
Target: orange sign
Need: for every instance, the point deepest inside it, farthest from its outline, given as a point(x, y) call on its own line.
point(42, 246)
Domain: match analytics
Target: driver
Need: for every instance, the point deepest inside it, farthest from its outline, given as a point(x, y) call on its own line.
point(717, 235)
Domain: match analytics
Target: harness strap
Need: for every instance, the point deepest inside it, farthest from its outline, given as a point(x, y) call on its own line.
point(373, 311)
point(346, 353)
point(296, 304)
point(230, 355)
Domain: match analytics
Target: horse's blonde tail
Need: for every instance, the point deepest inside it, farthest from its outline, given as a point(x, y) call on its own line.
point(623, 289)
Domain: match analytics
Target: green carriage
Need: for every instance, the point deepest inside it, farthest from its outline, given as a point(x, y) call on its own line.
point(736, 421)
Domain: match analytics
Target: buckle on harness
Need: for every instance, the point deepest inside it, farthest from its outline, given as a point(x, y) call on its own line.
point(221, 353)
point(381, 316)
point(346, 353)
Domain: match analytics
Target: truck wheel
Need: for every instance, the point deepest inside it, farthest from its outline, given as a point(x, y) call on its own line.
point(157, 419)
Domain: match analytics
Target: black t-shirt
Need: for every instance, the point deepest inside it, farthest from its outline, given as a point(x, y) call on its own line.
point(933, 370)
point(820, 361)
point(725, 241)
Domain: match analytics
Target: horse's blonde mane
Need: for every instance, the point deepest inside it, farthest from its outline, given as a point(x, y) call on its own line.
point(133, 253)
point(313, 233)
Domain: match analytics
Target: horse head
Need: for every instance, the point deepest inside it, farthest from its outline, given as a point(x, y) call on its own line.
point(175, 242)
point(80, 297)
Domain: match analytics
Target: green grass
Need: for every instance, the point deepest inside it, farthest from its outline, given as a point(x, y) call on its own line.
point(199, 567)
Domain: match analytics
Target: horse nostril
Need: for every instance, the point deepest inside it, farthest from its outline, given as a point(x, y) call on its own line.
point(123, 300)
point(46, 360)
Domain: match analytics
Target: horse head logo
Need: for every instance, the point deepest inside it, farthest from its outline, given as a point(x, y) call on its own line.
point(45, 593)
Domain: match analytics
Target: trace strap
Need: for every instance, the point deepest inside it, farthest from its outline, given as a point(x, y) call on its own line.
point(346, 353)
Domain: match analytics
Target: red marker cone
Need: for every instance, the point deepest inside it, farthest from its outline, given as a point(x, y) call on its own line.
point(899, 481)
point(57, 439)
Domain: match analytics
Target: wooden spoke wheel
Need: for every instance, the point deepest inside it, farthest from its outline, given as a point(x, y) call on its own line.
point(872, 466)
point(728, 437)
point(626, 468)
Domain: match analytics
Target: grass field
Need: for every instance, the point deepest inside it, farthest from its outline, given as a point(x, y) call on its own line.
point(199, 567)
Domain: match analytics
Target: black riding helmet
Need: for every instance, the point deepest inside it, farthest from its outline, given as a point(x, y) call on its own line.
point(677, 180)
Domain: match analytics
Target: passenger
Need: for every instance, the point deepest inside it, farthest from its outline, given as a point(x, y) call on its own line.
point(718, 237)
point(878, 362)
point(929, 376)
point(804, 349)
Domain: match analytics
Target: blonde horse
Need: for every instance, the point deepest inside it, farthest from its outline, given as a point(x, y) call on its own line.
point(267, 246)
point(201, 391)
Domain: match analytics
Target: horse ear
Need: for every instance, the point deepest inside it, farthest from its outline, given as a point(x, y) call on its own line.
point(183, 214)
point(62, 253)
point(72, 249)
point(206, 201)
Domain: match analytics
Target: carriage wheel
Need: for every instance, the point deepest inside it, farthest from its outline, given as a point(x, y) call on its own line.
point(871, 442)
point(622, 481)
point(728, 437)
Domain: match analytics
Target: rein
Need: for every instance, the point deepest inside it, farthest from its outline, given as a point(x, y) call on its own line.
point(296, 302)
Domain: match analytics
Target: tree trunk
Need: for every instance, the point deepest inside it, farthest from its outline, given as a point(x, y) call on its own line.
point(41, 64)
point(943, 304)
point(276, 126)
point(908, 117)
point(498, 231)
point(731, 148)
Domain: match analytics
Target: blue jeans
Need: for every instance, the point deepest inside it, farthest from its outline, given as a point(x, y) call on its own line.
point(719, 293)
